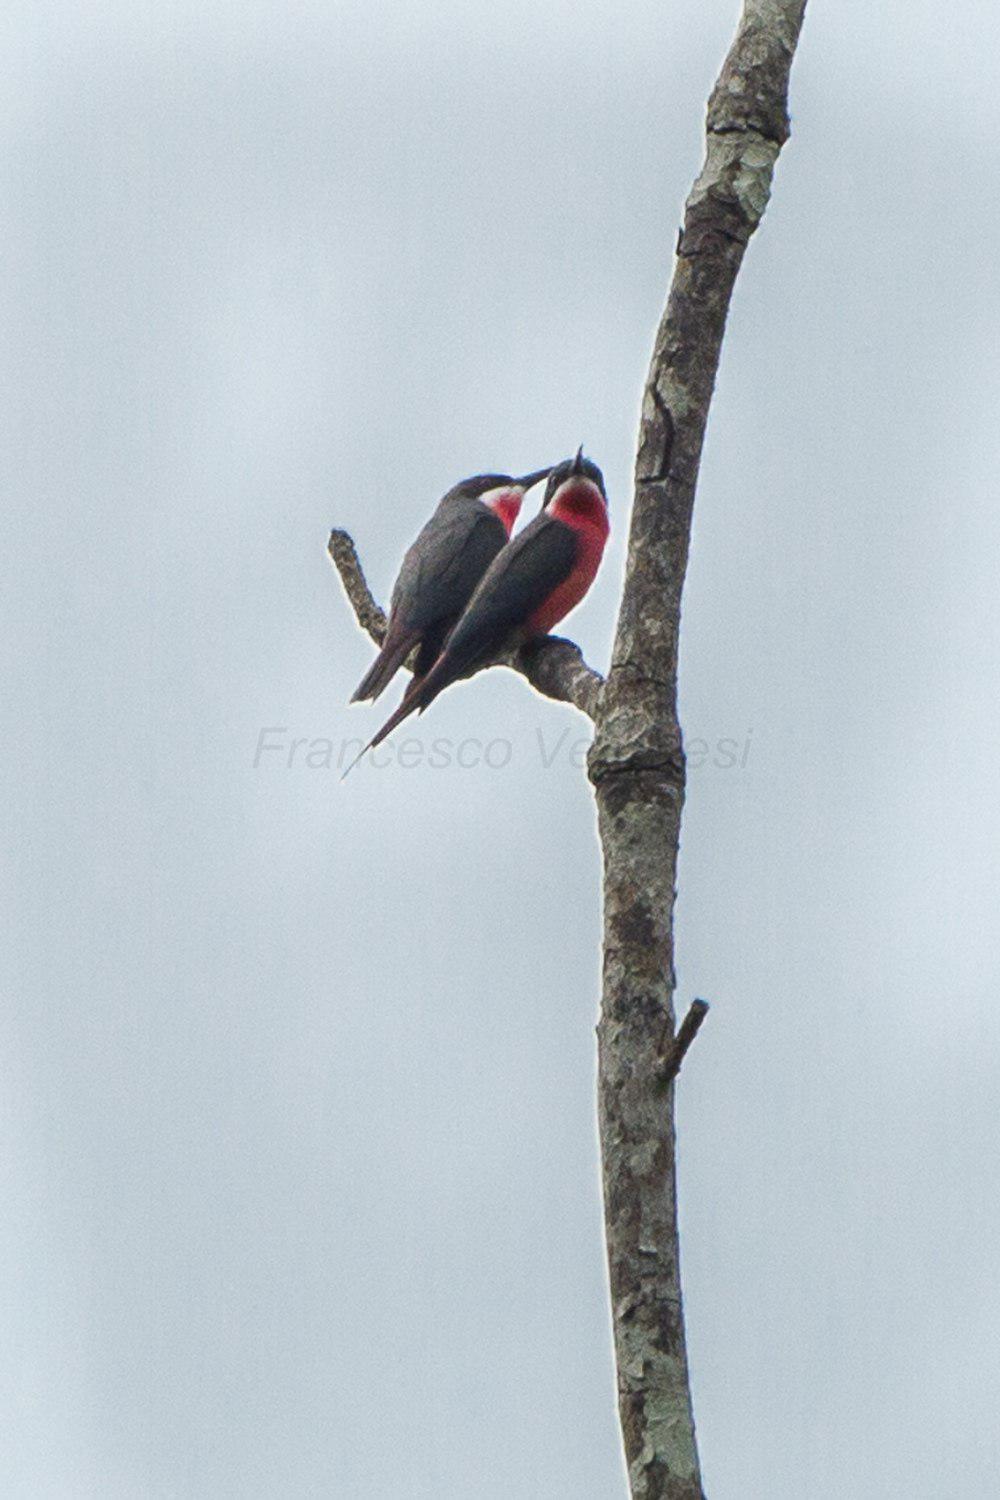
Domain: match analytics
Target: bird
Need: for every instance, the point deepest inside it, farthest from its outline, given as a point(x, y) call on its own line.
point(527, 589)
point(441, 569)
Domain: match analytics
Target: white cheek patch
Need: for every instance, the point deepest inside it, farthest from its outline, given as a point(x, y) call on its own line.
point(504, 492)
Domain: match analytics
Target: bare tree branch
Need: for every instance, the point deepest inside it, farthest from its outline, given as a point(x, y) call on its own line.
point(637, 764)
point(555, 667)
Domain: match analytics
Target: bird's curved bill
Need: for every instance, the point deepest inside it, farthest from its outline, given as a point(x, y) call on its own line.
point(529, 480)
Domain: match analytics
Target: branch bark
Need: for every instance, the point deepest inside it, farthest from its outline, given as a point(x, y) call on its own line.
point(555, 667)
point(637, 762)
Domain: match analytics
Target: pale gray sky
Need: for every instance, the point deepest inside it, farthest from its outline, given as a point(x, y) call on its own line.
point(300, 1182)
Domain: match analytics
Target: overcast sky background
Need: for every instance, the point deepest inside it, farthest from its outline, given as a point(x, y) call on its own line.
point(300, 1191)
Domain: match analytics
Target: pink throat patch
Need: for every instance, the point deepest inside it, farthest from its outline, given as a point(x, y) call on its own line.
point(580, 504)
point(507, 505)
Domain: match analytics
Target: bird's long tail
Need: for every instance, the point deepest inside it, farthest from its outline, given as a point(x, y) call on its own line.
point(395, 649)
point(421, 692)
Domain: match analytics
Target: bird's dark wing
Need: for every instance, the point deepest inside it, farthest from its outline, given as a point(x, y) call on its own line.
point(447, 560)
point(520, 579)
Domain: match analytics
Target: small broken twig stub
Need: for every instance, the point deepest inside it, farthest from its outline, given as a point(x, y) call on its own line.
point(686, 1033)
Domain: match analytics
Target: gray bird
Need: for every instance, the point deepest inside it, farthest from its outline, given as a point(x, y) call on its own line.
point(441, 570)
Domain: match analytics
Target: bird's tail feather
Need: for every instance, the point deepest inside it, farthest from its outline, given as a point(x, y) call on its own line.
point(395, 650)
point(421, 692)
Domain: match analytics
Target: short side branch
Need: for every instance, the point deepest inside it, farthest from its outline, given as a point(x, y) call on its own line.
point(344, 556)
point(686, 1033)
point(555, 667)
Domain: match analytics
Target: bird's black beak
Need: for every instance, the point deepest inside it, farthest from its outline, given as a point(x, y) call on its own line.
point(578, 461)
point(530, 480)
